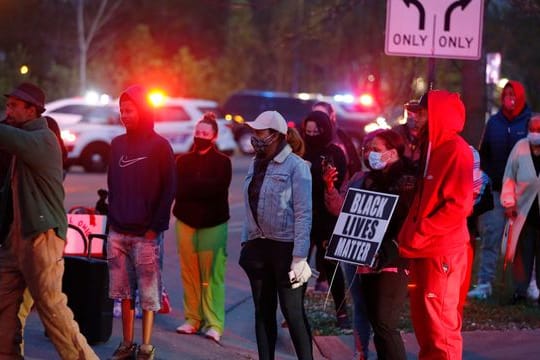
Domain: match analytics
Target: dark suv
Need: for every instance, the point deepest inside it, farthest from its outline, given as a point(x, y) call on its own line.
point(246, 105)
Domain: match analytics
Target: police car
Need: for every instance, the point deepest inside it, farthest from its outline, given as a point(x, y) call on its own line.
point(88, 126)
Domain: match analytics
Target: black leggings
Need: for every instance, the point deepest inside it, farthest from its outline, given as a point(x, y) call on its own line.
point(267, 263)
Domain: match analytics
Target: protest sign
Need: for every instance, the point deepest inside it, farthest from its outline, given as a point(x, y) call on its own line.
point(361, 226)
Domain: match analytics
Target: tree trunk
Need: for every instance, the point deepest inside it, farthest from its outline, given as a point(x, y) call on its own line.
point(474, 97)
point(83, 48)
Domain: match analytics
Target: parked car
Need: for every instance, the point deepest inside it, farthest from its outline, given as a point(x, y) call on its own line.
point(242, 106)
point(89, 127)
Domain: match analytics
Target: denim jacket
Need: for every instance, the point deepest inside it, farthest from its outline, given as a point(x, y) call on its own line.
point(285, 207)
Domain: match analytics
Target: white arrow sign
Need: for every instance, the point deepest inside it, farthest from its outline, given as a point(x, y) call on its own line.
point(435, 28)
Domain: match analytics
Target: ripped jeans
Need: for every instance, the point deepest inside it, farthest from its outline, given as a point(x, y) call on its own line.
point(134, 264)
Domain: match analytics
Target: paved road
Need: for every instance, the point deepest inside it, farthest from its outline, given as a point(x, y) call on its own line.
point(239, 339)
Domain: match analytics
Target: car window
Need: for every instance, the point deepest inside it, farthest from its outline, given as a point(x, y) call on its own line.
point(78, 109)
point(293, 109)
point(102, 115)
point(213, 109)
point(249, 106)
point(171, 113)
point(356, 107)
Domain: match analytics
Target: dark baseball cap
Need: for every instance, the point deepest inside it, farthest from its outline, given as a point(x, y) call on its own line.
point(30, 93)
point(416, 105)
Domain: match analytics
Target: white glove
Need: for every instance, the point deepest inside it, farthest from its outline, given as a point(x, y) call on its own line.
point(301, 270)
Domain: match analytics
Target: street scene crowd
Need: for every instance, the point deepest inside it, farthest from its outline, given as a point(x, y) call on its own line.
point(451, 196)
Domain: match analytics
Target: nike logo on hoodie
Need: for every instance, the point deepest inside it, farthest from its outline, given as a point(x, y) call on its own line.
point(125, 162)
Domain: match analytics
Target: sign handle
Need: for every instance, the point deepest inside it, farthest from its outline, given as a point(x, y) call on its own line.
point(431, 73)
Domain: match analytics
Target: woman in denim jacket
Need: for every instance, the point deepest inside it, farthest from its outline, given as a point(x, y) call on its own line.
point(275, 240)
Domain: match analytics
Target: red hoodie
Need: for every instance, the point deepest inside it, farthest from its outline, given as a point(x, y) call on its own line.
point(436, 224)
point(519, 90)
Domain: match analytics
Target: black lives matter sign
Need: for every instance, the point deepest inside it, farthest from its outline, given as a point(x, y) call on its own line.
point(361, 226)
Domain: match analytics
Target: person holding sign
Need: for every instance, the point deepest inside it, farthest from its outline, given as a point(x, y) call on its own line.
point(434, 236)
point(384, 286)
point(275, 238)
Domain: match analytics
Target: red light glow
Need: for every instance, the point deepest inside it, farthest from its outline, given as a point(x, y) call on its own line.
point(366, 100)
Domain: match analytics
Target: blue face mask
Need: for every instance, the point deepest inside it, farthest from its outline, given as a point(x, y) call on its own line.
point(375, 161)
point(534, 138)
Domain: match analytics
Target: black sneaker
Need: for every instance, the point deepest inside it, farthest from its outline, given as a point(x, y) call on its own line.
point(145, 354)
point(125, 352)
point(518, 299)
point(343, 322)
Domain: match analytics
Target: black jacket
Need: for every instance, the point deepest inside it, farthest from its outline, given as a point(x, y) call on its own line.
point(202, 194)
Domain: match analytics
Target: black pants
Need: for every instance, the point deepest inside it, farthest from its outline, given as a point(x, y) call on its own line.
point(385, 294)
point(267, 263)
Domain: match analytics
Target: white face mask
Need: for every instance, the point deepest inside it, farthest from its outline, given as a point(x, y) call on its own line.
point(534, 138)
point(375, 161)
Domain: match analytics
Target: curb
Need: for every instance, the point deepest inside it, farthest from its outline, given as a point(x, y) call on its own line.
point(330, 347)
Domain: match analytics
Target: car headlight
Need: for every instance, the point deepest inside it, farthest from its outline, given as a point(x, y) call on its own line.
point(68, 136)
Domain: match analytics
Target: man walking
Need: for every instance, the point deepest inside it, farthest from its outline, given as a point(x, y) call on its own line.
point(434, 236)
point(33, 228)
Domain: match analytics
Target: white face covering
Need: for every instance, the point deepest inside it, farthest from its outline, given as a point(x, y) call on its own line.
point(509, 102)
point(375, 161)
point(534, 138)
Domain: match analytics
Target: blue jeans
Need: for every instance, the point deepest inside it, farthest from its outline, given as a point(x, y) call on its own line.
point(490, 228)
point(362, 327)
point(528, 249)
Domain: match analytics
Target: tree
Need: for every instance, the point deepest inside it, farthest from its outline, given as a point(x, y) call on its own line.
point(87, 34)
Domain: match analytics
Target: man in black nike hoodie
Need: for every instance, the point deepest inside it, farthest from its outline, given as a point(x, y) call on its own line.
point(141, 182)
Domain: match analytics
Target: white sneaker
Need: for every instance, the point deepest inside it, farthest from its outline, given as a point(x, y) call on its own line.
point(532, 291)
point(481, 291)
point(186, 328)
point(213, 334)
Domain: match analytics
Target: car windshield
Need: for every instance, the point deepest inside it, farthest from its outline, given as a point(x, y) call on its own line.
point(171, 113)
point(102, 115)
point(357, 107)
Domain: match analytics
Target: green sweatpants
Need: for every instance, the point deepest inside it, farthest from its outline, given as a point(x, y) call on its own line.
point(203, 256)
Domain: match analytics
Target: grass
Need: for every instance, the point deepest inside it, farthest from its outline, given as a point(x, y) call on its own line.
point(478, 315)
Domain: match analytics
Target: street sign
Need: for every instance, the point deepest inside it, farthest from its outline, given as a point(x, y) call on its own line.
point(435, 28)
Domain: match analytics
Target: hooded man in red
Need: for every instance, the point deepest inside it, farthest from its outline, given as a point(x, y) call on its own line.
point(434, 236)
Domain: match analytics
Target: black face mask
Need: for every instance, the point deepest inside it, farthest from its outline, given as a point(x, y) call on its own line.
point(314, 141)
point(261, 145)
point(201, 144)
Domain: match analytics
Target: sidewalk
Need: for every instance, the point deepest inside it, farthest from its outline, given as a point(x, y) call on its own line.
point(478, 345)
point(239, 342)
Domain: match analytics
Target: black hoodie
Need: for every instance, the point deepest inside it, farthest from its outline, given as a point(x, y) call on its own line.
point(318, 147)
point(141, 174)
